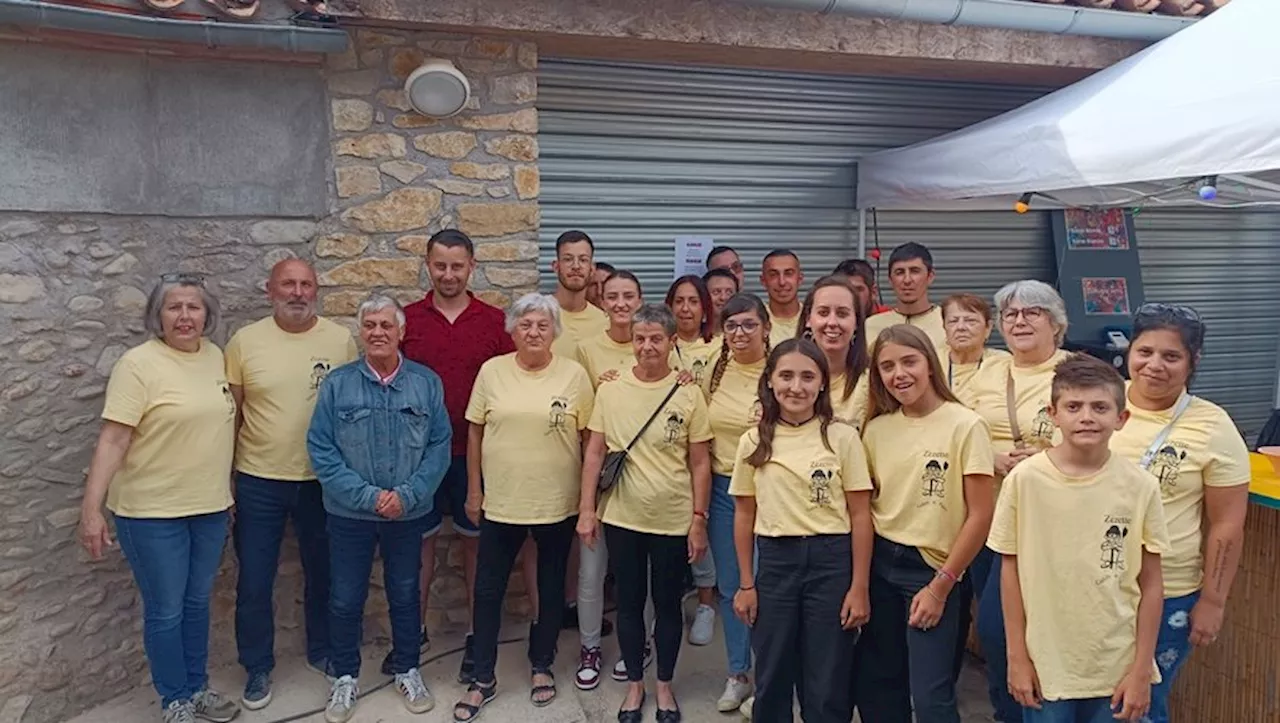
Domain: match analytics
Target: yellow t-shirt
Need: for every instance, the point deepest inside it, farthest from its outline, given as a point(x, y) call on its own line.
point(930, 322)
point(782, 328)
point(697, 356)
point(1032, 392)
point(851, 411)
point(798, 491)
point(184, 420)
point(961, 376)
point(599, 353)
point(281, 373)
point(1079, 543)
point(531, 458)
point(919, 464)
point(576, 326)
point(655, 494)
point(733, 409)
point(1203, 450)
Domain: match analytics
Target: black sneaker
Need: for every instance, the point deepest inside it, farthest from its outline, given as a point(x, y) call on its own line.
point(467, 671)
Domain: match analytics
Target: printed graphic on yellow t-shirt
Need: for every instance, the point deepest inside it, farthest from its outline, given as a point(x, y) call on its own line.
point(782, 328)
point(531, 457)
point(800, 490)
point(1204, 449)
point(280, 374)
point(655, 493)
point(1079, 543)
point(930, 322)
point(853, 410)
point(961, 376)
point(183, 418)
point(733, 409)
point(697, 356)
point(576, 326)
point(919, 464)
point(1033, 388)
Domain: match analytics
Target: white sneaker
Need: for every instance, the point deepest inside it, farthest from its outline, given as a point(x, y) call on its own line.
point(736, 692)
point(180, 711)
point(704, 625)
point(747, 704)
point(417, 697)
point(619, 673)
point(342, 700)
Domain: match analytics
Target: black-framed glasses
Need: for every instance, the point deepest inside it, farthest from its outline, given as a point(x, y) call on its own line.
point(182, 277)
point(1181, 311)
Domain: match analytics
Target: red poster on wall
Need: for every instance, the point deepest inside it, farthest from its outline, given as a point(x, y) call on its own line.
point(1096, 230)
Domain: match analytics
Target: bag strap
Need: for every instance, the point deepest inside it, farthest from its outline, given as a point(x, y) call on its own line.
point(1149, 456)
point(1011, 407)
point(675, 388)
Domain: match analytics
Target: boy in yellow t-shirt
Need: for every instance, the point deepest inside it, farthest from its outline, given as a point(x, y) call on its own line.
point(1081, 531)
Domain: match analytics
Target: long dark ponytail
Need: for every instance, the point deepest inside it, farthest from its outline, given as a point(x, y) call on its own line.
point(857, 359)
point(771, 411)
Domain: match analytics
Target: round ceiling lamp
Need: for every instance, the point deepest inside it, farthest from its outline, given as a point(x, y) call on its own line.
point(437, 89)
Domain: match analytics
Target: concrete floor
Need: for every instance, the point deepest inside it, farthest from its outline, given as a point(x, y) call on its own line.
point(300, 695)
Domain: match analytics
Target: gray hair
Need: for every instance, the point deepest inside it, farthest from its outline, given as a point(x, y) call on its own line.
point(378, 302)
point(1030, 292)
point(655, 314)
point(169, 282)
point(535, 303)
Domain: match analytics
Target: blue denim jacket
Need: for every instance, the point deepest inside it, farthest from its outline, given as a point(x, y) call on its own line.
point(366, 437)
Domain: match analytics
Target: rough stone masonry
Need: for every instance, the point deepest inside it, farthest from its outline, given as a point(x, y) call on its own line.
point(72, 290)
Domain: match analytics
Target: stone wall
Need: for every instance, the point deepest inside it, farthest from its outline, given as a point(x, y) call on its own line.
point(72, 289)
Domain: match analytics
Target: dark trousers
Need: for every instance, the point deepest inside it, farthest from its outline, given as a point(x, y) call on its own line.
point(262, 508)
point(891, 678)
point(994, 648)
point(800, 648)
point(351, 547)
point(499, 545)
point(631, 553)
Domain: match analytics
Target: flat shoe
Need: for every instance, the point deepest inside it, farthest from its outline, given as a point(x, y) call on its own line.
point(634, 715)
point(668, 716)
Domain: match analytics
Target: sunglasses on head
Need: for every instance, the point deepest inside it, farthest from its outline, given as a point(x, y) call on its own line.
point(1180, 311)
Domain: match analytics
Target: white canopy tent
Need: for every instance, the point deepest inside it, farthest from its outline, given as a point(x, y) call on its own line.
point(1202, 103)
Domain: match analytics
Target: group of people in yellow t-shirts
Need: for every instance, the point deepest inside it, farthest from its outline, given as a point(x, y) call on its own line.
point(851, 484)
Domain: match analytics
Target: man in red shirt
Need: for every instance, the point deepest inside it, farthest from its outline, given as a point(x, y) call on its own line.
point(453, 333)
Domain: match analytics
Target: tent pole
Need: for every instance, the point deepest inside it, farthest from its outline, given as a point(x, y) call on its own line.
point(862, 233)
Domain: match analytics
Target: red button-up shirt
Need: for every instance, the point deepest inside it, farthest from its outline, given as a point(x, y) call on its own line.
point(455, 351)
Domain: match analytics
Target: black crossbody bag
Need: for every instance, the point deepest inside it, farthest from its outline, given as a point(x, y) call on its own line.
point(614, 462)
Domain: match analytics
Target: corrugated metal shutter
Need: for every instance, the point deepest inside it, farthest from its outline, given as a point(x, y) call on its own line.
point(637, 154)
point(1226, 264)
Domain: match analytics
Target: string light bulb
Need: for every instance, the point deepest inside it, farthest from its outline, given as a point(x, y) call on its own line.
point(1024, 204)
point(1208, 189)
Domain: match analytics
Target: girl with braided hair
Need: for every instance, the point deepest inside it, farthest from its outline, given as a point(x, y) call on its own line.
point(733, 407)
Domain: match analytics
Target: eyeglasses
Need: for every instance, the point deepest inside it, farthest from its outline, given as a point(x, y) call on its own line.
point(746, 327)
point(1030, 313)
point(1180, 311)
point(182, 277)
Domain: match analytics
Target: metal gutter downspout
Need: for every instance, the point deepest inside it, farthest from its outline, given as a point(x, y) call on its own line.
point(209, 33)
point(1007, 14)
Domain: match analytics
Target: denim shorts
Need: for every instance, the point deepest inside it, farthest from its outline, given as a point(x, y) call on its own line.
point(451, 501)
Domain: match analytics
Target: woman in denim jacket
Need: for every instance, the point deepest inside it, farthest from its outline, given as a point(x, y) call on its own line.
point(379, 443)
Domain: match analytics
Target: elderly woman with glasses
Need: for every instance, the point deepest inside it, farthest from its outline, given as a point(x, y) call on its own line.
point(163, 464)
point(1194, 451)
point(528, 414)
point(1012, 395)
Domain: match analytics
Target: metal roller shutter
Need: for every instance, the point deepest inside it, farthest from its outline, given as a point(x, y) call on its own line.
point(1226, 264)
point(639, 154)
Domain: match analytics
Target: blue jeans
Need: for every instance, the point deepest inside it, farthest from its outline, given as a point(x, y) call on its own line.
point(262, 508)
point(351, 547)
point(174, 562)
point(898, 668)
point(994, 649)
point(1172, 647)
point(737, 637)
point(1083, 710)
